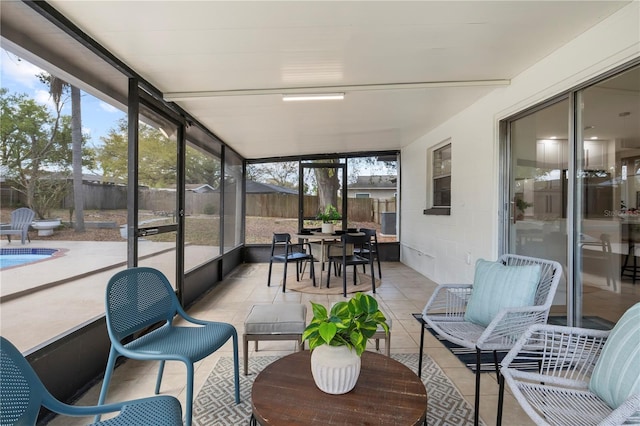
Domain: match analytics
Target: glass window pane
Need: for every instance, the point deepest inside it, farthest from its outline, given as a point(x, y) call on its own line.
point(272, 200)
point(372, 185)
point(233, 178)
point(83, 259)
point(202, 206)
point(442, 161)
point(442, 192)
point(157, 193)
point(539, 163)
point(609, 186)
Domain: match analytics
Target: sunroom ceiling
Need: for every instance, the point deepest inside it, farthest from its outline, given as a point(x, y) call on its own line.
point(405, 67)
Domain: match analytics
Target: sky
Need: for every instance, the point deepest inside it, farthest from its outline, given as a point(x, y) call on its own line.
point(19, 76)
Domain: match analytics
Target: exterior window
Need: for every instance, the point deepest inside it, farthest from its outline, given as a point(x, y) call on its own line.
point(362, 195)
point(440, 181)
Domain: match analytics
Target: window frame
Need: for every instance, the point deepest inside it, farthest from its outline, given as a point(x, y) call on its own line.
point(433, 177)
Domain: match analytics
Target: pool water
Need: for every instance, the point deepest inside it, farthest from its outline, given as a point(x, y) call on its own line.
point(10, 257)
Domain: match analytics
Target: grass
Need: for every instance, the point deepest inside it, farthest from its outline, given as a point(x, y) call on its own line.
point(199, 229)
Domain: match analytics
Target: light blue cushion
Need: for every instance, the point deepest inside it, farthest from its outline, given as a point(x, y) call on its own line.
point(616, 375)
point(497, 287)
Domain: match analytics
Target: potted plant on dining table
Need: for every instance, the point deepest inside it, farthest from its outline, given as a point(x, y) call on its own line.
point(338, 337)
point(329, 216)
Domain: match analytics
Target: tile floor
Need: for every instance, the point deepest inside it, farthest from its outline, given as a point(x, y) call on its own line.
point(402, 292)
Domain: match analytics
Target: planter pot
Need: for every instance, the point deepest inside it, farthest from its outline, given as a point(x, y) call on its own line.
point(327, 228)
point(335, 369)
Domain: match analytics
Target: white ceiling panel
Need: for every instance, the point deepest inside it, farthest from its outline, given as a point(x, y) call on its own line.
point(205, 46)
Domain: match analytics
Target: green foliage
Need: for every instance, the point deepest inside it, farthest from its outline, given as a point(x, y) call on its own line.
point(157, 158)
point(35, 150)
point(349, 323)
point(522, 204)
point(329, 215)
point(281, 173)
point(49, 194)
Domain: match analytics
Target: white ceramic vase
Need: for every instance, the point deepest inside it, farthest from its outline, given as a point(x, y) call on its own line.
point(335, 369)
point(327, 228)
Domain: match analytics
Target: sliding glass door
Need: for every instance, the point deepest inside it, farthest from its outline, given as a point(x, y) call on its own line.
point(608, 184)
point(573, 195)
point(538, 186)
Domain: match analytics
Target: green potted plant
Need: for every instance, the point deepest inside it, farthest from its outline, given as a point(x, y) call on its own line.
point(522, 206)
point(338, 337)
point(328, 216)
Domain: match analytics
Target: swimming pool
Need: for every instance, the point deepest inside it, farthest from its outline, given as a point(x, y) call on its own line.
point(11, 257)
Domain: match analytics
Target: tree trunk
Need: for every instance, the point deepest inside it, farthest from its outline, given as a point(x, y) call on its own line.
point(76, 140)
point(328, 186)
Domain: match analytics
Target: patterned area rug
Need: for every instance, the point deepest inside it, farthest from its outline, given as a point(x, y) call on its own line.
point(363, 283)
point(215, 403)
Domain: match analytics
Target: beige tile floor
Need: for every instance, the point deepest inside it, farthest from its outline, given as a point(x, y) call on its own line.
point(403, 292)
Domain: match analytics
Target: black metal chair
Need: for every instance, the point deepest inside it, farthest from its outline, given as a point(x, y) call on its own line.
point(284, 251)
point(348, 242)
point(372, 250)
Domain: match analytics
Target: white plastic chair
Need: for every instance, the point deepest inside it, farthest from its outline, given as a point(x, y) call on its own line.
point(445, 314)
point(557, 392)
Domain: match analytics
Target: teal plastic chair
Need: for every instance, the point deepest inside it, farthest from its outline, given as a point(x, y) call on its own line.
point(22, 394)
point(139, 298)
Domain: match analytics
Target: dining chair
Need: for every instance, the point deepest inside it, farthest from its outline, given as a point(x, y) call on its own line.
point(601, 258)
point(565, 376)
point(372, 250)
point(141, 298)
point(20, 221)
point(347, 257)
point(284, 251)
point(22, 394)
point(490, 315)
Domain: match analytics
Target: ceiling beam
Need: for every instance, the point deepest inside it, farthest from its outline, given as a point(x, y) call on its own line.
point(178, 96)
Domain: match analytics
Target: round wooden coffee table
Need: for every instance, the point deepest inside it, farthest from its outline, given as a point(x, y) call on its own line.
point(387, 393)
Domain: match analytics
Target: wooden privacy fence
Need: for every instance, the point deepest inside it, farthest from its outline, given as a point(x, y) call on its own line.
point(114, 197)
point(98, 196)
point(286, 205)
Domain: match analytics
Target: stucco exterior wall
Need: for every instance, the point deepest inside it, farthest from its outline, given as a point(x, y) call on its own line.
point(439, 246)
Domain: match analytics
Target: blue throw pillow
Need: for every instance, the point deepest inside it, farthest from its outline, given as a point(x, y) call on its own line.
point(616, 375)
point(497, 287)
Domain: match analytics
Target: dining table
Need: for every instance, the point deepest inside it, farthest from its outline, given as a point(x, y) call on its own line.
point(325, 242)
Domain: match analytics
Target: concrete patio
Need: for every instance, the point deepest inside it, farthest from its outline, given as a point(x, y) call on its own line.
point(78, 296)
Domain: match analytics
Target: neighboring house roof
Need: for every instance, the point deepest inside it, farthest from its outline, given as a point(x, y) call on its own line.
point(267, 188)
point(199, 187)
point(374, 182)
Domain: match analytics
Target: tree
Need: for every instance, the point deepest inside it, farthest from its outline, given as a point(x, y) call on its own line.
point(283, 173)
point(57, 88)
point(112, 156)
point(35, 148)
point(201, 168)
point(157, 158)
point(76, 141)
point(328, 185)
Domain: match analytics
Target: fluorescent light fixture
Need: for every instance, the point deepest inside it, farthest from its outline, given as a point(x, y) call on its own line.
point(313, 97)
point(594, 137)
point(553, 137)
